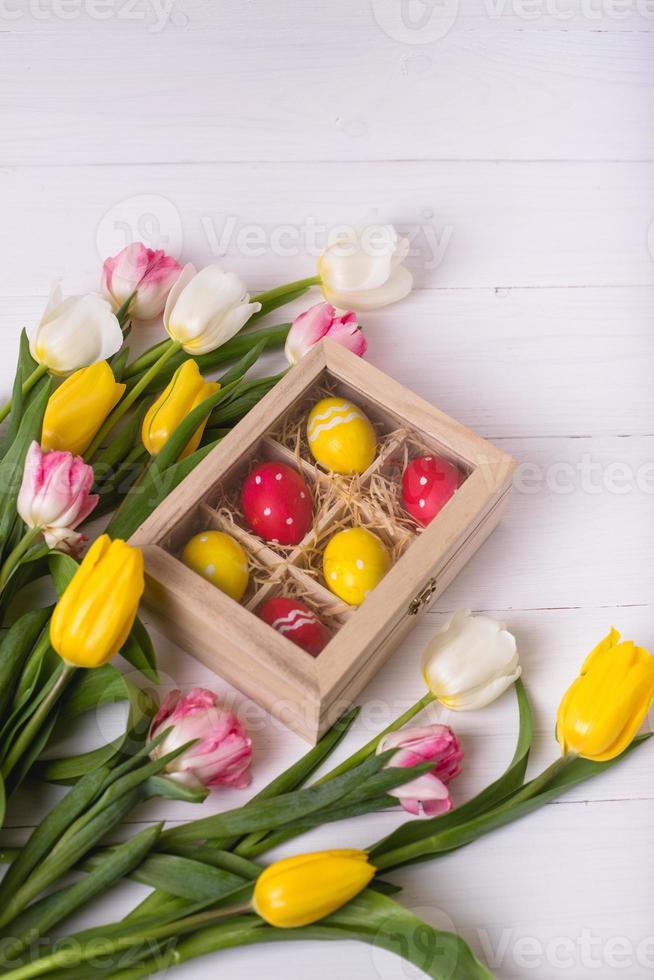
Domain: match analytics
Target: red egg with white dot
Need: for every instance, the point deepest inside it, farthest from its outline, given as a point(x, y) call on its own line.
point(276, 503)
point(296, 622)
point(428, 482)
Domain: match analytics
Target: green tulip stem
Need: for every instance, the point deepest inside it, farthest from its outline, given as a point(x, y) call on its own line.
point(81, 953)
point(371, 747)
point(122, 313)
point(39, 371)
point(15, 557)
point(469, 831)
point(31, 729)
point(149, 357)
point(172, 348)
point(146, 359)
point(289, 287)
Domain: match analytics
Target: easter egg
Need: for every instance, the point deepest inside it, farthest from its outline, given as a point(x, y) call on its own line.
point(277, 503)
point(428, 482)
point(340, 436)
point(220, 559)
point(354, 562)
point(296, 622)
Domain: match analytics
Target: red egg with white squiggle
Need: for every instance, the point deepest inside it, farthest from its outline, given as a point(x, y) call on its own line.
point(428, 483)
point(276, 503)
point(296, 622)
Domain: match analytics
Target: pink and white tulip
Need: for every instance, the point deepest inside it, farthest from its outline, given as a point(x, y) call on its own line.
point(55, 495)
point(222, 753)
point(142, 271)
point(433, 743)
point(320, 321)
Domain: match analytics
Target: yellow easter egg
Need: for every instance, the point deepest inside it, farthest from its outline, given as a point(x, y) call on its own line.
point(220, 559)
point(353, 563)
point(340, 436)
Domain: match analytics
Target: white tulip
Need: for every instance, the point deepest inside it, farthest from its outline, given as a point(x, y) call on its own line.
point(75, 332)
point(362, 269)
point(470, 662)
point(205, 309)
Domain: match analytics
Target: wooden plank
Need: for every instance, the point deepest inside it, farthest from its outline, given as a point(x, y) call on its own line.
point(293, 24)
point(471, 224)
point(563, 95)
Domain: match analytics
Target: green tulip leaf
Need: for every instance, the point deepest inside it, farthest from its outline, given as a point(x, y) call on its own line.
point(510, 781)
point(242, 366)
point(372, 918)
point(25, 366)
point(15, 647)
point(13, 463)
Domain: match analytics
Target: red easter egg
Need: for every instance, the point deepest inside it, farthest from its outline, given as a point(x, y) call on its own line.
point(296, 622)
point(428, 483)
point(277, 503)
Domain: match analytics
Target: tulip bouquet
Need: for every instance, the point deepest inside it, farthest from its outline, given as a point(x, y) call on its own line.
point(209, 893)
point(91, 431)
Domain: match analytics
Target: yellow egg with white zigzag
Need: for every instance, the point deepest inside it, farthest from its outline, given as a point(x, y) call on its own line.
point(341, 436)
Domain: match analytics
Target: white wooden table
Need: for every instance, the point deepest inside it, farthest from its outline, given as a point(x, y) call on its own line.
point(514, 140)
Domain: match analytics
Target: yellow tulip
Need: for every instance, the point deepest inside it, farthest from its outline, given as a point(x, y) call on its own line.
point(300, 890)
point(78, 407)
point(94, 616)
point(186, 390)
point(603, 709)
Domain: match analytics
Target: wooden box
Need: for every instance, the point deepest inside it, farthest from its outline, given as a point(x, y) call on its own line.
point(308, 694)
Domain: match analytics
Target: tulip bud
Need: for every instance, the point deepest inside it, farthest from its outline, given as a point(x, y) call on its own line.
point(320, 321)
point(78, 407)
point(95, 615)
point(470, 662)
point(222, 753)
point(185, 391)
point(142, 275)
point(205, 309)
point(362, 269)
point(300, 890)
point(433, 743)
point(55, 494)
point(605, 706)
point(75, 332)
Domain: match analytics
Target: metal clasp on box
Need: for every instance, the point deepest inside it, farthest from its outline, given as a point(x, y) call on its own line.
point(423, 598)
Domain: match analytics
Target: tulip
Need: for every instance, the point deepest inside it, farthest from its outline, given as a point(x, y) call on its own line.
point(321, 321)
point(78, 407)
point(139, 279)
point(205, 309)
point(55, 496)
point(300, 890)
point(74, 333)
point(363, 270)
point(433, 743)
point(95, 615)
point(605, 706)
point(185, 391)
point(470, 662)
point(222, 753)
